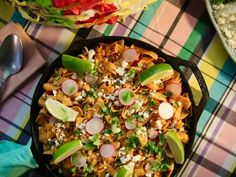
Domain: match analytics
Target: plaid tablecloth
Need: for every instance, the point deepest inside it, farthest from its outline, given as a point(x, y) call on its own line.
point(180, 28)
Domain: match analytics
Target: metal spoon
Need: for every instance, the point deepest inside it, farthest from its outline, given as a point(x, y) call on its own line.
point(11, 54)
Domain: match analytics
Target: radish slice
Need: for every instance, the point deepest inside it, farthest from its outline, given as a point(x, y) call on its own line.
point(174, 88)
point(130, 124)
point(152, 134)
point(78, 159)
point(107, 150)
point(69, 87)
point(126, 96)
point(165, 110)
point(90, 79)
point(130, 55)
point(94, 126)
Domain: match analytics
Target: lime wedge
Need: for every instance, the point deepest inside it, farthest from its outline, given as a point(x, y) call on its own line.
point(126, 170)
point(176, 146)
point(60, 111)
point(156, 72)
point(66, 150)
point(76, 64)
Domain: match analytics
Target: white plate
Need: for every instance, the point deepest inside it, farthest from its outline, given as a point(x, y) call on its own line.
point(230, 50)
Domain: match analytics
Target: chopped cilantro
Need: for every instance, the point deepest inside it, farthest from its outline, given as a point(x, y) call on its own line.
point(130, 120)
point(88, 170)
point(105, 110)
point(117, 82)
point(107, 131)
point(92, 93)
point(73, 170)
point(159, 165)
point(131, 74)
point(168, 94)
point(95, 139)
point(57, 75)
point(77, 132)
point(119, 134)
point(151, 147)
point(132, 142)
point(151, 102)
point(118, 162)
point(85, 107)
point(51, 143)
point(165, 165)
point(115, 120)
point(89, 146)
point(138, 117)
point(162, 140)
point(93, 142)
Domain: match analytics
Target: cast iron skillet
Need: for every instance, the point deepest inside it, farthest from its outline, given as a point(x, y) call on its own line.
point(76, 49)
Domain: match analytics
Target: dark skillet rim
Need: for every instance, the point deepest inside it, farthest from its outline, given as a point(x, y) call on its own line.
point(76, 48)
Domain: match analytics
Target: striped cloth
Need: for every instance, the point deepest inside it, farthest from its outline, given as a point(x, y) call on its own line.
point(180, 28)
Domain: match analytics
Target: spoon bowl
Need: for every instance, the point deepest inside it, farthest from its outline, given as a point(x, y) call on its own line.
point(11, 56)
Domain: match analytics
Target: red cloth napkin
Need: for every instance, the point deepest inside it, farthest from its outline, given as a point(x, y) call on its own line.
point(32, 59)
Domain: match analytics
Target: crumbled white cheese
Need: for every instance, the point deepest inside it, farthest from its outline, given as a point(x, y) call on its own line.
point(153, 93)
point(100, 94)
point(145, 115)
point(74, 76)
point(83, 93)
point(124, 64)
point(123, 81)
point(139, 103)
point(54, 92)
point(59, 125)
point(44, 95)
point(142, 131)
point(107, 175)
point(182, 129)
point(159, 124)
point(125, 158)
point(96, 115)
point(136, 158)
point(111, 97)
point(78, 98)
point(115, 128)
point(121, 152)
point(129, 111)
point(130, 165)
point(120, 71)
point(57, 143)
point(60, 170)
point(225, 15)
point(106, 80)
point(109, 104)
point(91, 54)
point(81, 125)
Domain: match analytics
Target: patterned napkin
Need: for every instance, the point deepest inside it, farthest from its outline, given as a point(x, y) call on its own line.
point(16, 159)
point(32, 59)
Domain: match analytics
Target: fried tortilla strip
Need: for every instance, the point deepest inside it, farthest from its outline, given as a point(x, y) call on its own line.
point(143, 51)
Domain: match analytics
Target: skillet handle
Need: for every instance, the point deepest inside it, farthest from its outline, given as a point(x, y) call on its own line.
point(202, 84)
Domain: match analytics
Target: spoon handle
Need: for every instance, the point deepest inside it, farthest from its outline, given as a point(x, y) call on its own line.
point(2, 81)
point(1, 84)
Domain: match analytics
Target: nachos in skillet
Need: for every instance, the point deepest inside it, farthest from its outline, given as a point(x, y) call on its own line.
point(114, 110)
